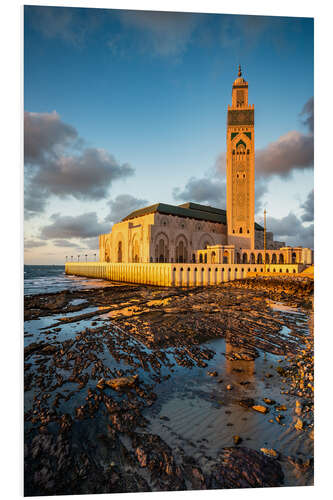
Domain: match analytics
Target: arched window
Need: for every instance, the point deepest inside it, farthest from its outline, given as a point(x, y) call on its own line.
point(244, 258)
point(267, 258)
point(281, 259)
point(259, 259)
point(200, 258)
point(225, 257)
point(205, 258)
point(238, 258)
point(293, 258)
point(252, 259)
point(274, 258)
point(240, 230)
point(213, 257)
point(193, 258)
point(120, 251)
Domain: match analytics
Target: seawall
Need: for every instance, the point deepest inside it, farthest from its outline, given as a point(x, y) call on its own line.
point(171, 274)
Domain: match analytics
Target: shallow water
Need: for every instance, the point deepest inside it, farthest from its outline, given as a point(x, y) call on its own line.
point(193, 411)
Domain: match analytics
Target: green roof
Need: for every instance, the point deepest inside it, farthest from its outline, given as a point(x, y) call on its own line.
point(189, 210)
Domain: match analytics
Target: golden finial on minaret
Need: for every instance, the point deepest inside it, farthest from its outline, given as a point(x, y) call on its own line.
point(239, 70)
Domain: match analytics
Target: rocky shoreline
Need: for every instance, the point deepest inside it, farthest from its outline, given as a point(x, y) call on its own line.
point(96, 363)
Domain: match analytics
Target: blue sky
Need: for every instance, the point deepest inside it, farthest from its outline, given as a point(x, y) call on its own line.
point(127, 108)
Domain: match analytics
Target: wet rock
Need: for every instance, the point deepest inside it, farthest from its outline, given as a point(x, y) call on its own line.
point(269, 452)
point(212, 374)
point(299, 425)
point(247, 402)
point(121, 383)
point(260, 408)
point(269, 401)
point(229, 387)
point(237, 439)
point(240, 467)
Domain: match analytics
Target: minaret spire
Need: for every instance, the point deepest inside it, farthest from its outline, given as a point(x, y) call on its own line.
point(239, 70)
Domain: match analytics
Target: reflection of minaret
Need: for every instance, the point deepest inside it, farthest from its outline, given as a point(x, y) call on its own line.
point(240, 167)
point(232, 366)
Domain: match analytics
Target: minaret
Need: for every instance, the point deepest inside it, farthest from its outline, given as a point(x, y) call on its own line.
point(240, 167)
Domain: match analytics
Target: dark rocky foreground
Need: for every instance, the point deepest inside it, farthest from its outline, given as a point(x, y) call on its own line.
point(92, 377)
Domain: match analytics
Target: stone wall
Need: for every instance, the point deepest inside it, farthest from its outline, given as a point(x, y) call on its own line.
point(172, 274)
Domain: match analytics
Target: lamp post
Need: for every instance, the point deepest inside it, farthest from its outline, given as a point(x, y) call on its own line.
point(72, 257)
point(66, 257)
point(78, 258)
point(95, 257)
point(265, 239)
point(86, 257)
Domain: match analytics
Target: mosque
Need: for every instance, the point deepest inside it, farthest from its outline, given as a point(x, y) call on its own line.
point(193, 233)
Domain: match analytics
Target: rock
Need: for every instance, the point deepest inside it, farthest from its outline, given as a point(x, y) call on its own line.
point(101, 383)
point(260, 408)
point(299, 425)
point(269, 452)
point(229, 387)
point(240, 467)
point(281, 408)
point(212, 374)
point(269, 401)
point(237, 439)
point(121, 383)
point(247, 402)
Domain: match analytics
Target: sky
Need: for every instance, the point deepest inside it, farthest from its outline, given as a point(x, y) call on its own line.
point(124, 109)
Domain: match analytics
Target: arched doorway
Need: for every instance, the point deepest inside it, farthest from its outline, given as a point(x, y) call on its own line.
point(252, 259)
point(274, 258)
point(181, 251)
point(259, 259)
point(267, 258)
point(225, 257)
point(244, 258)
point(293, 258)
point(135, 251)
point(213, 257)
point(281, 259)
point(238, 258)
point(120, 251)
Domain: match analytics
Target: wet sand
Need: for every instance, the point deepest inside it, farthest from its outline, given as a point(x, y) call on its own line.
point(204, 358)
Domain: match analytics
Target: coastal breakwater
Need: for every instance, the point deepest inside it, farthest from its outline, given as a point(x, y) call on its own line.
point(180, 274)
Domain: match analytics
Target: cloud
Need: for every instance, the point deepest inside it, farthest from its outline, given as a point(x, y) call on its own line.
point(291, 230)
point(292, 151)
point(65, 244)
point(308, 207)
point(68, 227)
point(204, 190)
point(28, 244)
point(165, 34)
point(308, 113)
point(261, 188)
point(71, 25)
point(92, 243)
point(123, 205)
point(53, 167)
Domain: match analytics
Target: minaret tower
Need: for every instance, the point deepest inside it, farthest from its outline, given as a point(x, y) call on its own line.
point(240, 167)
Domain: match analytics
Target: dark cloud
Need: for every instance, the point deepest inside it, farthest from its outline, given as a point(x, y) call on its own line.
point(292, 151)
point(307, 114)
point(53, 167)
point(123, 205)
point(308, 207)
point(204, 190)
point(68, 227)
point(28, 244)
point(44, 135)
point(291, 230)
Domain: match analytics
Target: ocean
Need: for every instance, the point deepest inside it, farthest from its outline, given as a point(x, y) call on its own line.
point(48, 279)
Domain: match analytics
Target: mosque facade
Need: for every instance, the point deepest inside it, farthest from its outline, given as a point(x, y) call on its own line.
point(194, 233)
